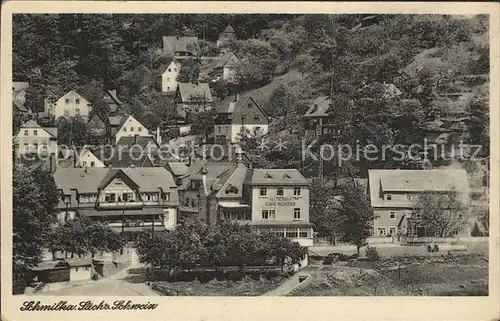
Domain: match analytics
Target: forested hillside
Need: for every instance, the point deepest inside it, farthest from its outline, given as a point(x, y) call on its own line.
point(286, 60)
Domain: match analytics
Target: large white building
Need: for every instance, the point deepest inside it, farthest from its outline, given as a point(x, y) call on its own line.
point(169, 76)
point(71, 104)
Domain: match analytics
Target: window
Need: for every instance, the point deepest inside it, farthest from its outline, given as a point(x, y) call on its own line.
point(76, 269)
point(193, 184)
point(66, 101)
point(169, 69)
point(460, 216)
point(92, 164)
point(381, 231)
point(392, 215)
point(66, 113)
point(392, 230)
point(388, 197)
point(139, 129)
point(35, 133)
point(175, 69)
point(256, 117)
point(166, 197)
point(25, 133)
point(454, 232)
point(280, 191)
point(35, 145)
point(408, 214)
point(219, 129)
point(109, 197)
point(268, 214)
point(418, 215)
point(77, 101)
point(84, 164)
point(125, 197)
point(408, 197)
point(263, 191)
point(118, 181)
point(296, 213)
point(250, 105)
point(131, 129)
point(77, 111)
point(291, 233)
point(296, 191)
point(45, 146)
point(304, 232)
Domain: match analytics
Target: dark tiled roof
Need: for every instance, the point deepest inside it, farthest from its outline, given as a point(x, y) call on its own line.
point(172, 44)
point(223, 60)
point(319, 107)
point(135, 140)
point(262, 176)
point(195, 92)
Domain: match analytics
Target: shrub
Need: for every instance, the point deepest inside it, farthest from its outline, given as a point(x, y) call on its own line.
point(271, 274)
point(372, 254)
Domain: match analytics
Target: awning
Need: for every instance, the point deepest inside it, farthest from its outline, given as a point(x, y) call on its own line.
point(233, 204)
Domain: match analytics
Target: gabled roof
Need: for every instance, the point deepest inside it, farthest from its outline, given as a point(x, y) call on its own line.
point(50, 265)
point(319, 107)
point(178, 168)
point(195, 92)
point(167, 64)
point(148, 179)
point(112, 94)
point(172, 44)
point(262, 176)
point(233, 186)
point(32, 124)
point(229, 29)
point(222, 61)
point(230, 106)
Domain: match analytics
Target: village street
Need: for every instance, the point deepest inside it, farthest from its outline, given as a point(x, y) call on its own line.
point(129, 282)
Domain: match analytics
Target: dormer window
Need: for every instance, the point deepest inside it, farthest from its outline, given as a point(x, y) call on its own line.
point(250, 105)
point(286, 176)
point(268, 176)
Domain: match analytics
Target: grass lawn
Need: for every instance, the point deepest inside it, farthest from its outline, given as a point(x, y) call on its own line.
point(465, 275)
point(246, 287)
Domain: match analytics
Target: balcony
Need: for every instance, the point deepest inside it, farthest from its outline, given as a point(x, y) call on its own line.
point(120, 205)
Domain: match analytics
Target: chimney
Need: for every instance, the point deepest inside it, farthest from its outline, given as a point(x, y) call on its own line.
point(236, 97)
point(158, 135)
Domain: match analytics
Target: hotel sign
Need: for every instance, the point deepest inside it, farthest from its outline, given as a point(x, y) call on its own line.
point(280, 202)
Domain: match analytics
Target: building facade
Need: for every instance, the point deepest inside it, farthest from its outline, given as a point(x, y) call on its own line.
point(35, 139)
point(191, 99)
point(169, 77)
point(393, 194)
point(239, 116)
point(71, 104)
point(129, 200)
point(131, 127)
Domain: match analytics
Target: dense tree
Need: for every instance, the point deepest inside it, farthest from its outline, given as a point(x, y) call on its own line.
point(72, 132)
point(190, 71)
point(34, 211)
point(440, 213)
point(357, 216)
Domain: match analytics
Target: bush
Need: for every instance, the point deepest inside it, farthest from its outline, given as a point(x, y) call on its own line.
point(372, 254)
point(271, 274)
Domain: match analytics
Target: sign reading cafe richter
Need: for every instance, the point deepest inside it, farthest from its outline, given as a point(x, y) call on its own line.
point(281, 202)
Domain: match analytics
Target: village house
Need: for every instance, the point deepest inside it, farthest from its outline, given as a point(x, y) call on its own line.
point(99, 130)
point(239, 115)
point(19, 97)
point(71, 104)
point(226, 36)
point(168, 77)
point(393, 193)
point(129, 127)
point(191, 99)
point(86, 158)
point(35, 139)
point(225, 67)
point(115, 105)
point(127, 199)
point(318, 118)
point(181, 47)
point(276, 200)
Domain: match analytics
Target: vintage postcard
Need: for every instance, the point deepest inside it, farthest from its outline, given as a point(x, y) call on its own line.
point(250, 160)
